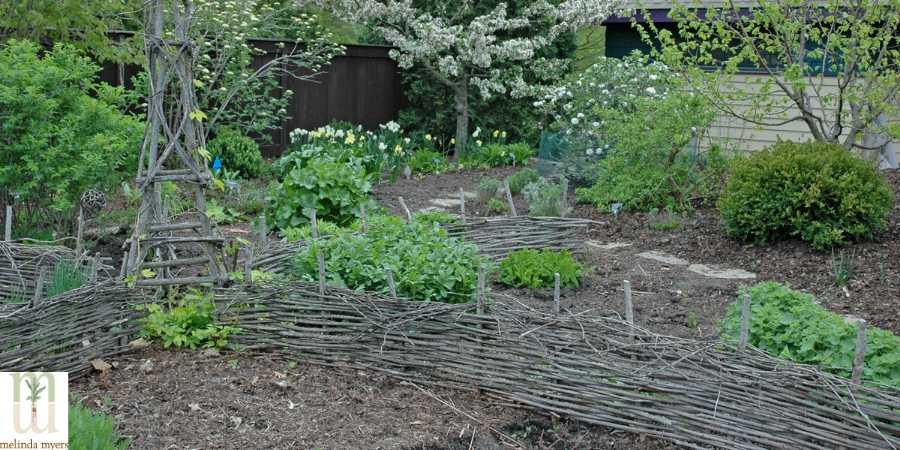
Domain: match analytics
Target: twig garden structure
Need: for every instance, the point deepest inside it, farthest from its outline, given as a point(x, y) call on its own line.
point(171, 152)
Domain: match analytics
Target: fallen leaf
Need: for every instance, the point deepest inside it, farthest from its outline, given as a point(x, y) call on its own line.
point(100, 365)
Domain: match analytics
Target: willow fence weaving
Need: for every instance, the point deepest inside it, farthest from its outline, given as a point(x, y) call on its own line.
point(21, 266)
point(495, 238)
point(597, 369)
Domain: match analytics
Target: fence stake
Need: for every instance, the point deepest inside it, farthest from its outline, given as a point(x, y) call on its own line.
point(859, 357)
point(79, 233)
point(314, 225)
point(362, 219)
point(321, 259)
point(512, 206)
point(262, 232)
point(481, 290)
point(405, 209)
point(248, 269)
point(39, 287)
point(565, 195)
point(95, 267)
point(462, 205)
point(391, 286)
point(629, 306)
point(7, 236)
point(745, 321)
point(124, 263)
point(556, 293)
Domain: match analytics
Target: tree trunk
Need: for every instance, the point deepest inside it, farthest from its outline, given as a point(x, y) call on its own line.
point(461, 95)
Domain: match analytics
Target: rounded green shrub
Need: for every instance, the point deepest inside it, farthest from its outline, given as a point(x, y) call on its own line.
point(536, 269)
point(238, 152)
point(522, 178)
point(309, 180)
point(818, 192)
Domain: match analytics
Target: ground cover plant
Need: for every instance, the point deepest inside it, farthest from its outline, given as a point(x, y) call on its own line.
point(818, 192)
point(426, 264)
point(189, 321)
point(89, 430)
point(789, 324)
point(537, 268)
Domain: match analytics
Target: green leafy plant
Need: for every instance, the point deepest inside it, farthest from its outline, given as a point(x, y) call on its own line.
point(842, 267)
point(237, 152)
point(488, 188)
point(89, 430)
point(496, 206)
point(536, 269)
point(219, 214)
point(188, 322)
point(789, 324)
point(545, 199)
point(66, 276)
point(435, 217)
point(61, 132)
point(520, 179)
point(426, 263)
point(818, 192)
point(304, 232)
point(654, 161)
point(497, 155)
point(334, 186)
point(428, 161)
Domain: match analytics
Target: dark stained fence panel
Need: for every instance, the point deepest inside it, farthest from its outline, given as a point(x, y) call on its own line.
point(362, 86)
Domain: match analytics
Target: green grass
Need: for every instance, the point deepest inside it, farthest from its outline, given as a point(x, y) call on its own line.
point(89, 430)
point(66, 276)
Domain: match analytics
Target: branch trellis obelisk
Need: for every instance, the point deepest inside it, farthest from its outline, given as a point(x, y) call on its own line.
point(183, 250)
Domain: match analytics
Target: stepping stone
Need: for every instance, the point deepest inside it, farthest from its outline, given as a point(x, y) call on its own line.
point(664, 258)
point(432, 208)
point(446, 202)
point(725, 274)
point(609, 246)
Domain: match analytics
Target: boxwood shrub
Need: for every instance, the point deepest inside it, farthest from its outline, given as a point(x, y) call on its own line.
point(818, 192)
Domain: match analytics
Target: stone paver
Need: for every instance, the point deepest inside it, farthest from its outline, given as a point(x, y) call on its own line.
point(725, 274)
point(608, 246)
point(664, 258)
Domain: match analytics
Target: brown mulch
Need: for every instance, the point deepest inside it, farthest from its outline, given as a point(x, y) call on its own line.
point(205, 400)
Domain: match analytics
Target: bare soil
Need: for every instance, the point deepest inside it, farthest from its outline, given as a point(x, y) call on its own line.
point(197, 400)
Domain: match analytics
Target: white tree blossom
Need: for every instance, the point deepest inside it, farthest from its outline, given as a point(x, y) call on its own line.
point(464, 52)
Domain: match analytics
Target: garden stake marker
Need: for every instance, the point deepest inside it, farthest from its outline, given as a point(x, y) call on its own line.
point(391, 286)
point(320, 257)
point(565, 195)
point(745, 321)
point(512, 206)
point(248, 269)
point(405, 209)
point(462, 205)
point(79, 233)
point(7, 236)
point(481, 282)
point(859, 357)
point(95, 267)
point(629, 308)
point(39, 288)
point(556, 293)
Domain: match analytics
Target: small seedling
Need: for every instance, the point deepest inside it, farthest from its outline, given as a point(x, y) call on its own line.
point(691, 320)
point(842, 268)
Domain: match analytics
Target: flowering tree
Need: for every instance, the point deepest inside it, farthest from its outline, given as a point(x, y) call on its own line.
point(830, 65)
point(464, 51)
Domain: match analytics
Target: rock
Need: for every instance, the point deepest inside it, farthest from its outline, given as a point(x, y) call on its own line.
point(146, 366)
point(664, 258)
point(725, 274)
point(608, 246)
point(211, 352)
point(446, 202)
point(100, 365)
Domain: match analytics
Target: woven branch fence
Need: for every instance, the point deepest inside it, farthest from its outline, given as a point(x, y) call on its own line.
point(65, 333)
point(495, 238)
point(597, 369)
point(21, 264)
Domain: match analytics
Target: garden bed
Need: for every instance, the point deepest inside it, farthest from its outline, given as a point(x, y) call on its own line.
point(671, 300)
point(254, 401)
